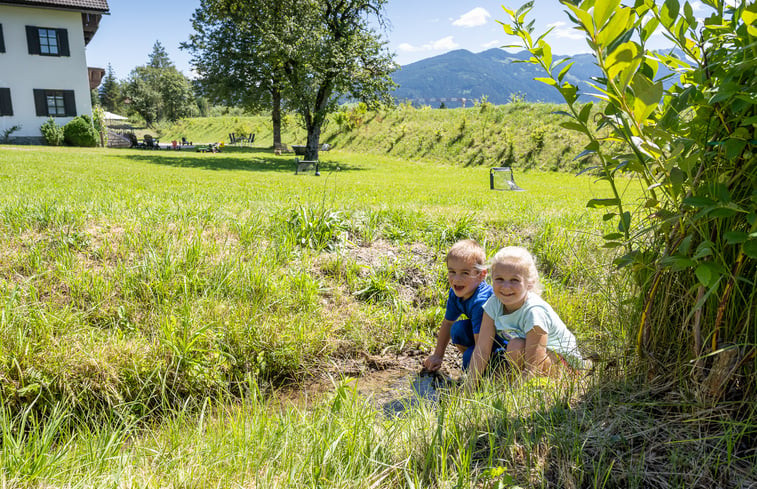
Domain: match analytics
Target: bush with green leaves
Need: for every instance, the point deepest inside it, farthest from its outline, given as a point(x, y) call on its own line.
point(7, 133)
point(52, 132)
point(98, 119)
point(80, 131)
point(690, 242)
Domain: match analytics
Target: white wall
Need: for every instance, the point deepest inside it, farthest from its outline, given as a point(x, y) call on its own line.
point(23, 72)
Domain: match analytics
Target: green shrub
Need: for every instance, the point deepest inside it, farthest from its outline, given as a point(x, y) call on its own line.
point(98, 119)
point(7, 133)
point(52, 132)
point(80, 132)
point(316, 228)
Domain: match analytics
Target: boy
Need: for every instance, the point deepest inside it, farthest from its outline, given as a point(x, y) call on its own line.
point(468, 291)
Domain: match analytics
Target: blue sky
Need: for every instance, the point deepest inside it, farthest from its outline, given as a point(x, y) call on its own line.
point(418, 29)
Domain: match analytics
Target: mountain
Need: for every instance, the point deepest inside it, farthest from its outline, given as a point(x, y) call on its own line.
point(494, 73)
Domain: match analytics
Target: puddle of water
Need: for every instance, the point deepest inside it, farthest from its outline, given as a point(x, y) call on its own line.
point(394, 384)
point(424, 387)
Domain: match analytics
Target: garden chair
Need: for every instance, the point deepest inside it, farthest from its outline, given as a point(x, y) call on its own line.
point(133, 141)
point(151, 143)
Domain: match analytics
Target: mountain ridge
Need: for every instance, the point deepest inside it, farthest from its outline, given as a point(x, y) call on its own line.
point(496, 74)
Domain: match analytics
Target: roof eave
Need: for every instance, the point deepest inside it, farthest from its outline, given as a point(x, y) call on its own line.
point(83, 10)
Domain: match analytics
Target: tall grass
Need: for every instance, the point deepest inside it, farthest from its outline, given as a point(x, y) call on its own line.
point(537, 434)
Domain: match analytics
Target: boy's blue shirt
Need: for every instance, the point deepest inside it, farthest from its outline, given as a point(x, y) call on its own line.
point(473, 306)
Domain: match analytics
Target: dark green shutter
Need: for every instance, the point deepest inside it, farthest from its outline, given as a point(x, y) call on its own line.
point(63, 49)
point(69, 103)
point(6, 107)
point(40, 102)
point(32, 39)
point(2, 42)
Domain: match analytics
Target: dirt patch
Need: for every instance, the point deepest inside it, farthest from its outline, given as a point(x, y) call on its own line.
point(385, 379)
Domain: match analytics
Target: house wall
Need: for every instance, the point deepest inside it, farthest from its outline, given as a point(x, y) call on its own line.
point(23, 72)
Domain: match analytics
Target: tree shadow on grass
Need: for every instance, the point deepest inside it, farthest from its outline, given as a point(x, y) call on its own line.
point(257, 161)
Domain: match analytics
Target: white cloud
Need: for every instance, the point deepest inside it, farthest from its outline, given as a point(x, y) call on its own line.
point(476, 17)
point(443, 44)
point(492, 44)
point(407, 47)
point(560, 31)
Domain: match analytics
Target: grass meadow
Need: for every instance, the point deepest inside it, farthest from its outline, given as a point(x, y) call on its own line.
point(154, 306)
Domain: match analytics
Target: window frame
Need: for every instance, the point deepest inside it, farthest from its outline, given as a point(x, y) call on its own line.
point(56, 105)
point(66, 101)
point(34, 41)
point(48, 42)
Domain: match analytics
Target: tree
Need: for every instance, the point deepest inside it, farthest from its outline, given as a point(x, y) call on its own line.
point(158, 90)
point(110, 93)
point(313, 52)
point(691, 241)
point(159, 59)
point(335, 54)
point(143, 93)
point(234, 67)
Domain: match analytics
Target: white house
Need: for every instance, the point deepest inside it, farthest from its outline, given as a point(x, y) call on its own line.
point(43, 65)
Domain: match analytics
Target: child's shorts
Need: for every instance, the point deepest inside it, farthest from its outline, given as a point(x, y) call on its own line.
point(461, 333)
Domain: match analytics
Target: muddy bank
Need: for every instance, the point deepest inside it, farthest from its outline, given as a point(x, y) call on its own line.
point(391, 381)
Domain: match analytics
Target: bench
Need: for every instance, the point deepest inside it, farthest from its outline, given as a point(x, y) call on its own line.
point(305, 165)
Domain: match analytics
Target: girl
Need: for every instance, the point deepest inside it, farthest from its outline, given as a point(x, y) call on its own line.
point(538, 339)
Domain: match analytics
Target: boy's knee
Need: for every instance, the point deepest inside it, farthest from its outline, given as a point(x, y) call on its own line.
point(461, 333)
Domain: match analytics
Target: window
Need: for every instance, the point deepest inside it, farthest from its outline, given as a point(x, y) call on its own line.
point(55, 103)
point(47, 41)
point(6, 108)
point(2, 42)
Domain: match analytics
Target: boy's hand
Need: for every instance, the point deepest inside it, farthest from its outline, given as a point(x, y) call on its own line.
point(433, 363)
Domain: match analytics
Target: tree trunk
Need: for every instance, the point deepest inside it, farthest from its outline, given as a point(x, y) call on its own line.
point(276, 117)
point(314, 136)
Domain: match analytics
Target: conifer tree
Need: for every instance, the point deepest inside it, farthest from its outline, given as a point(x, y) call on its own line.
point(110, 93)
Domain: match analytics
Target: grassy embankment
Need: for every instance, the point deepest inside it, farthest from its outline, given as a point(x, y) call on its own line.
point(152, 301)
point(521, 135)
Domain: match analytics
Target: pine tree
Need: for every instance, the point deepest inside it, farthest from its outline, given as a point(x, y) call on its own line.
point(159, 57)
point(110, 93)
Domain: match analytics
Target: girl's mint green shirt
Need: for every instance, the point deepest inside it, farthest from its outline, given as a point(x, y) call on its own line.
point(535, 312)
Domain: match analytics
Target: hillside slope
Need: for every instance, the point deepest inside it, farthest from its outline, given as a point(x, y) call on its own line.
point(521, 135)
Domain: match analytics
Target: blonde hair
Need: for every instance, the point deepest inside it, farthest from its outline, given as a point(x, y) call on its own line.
point(470, 251)
point(522, 259)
